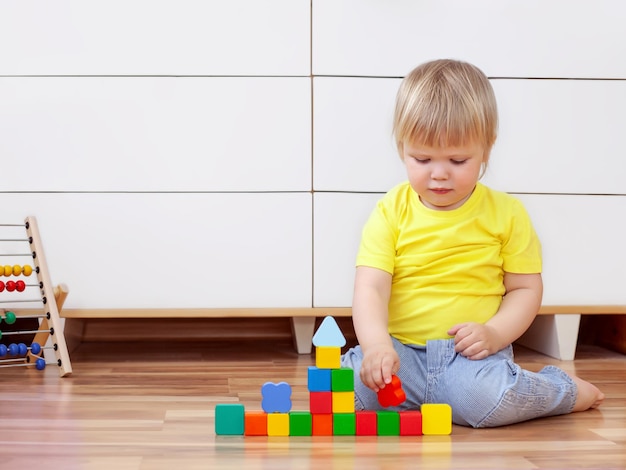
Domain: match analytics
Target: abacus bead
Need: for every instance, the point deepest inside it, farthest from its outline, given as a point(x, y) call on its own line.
point(35, 348)
point(1, 286)
point(13, 349)
point(17, 270)
point(20, 286)
point(40, 364)
point(10, 285)
point(9, 317)
point(3, 350)
point(27, 270)
point(22, 349)
point(8, 270)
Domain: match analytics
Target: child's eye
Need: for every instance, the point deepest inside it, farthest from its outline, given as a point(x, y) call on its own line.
point(421, 160)
point(458, 162)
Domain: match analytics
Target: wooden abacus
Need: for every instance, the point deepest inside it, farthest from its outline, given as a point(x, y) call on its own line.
point(43, 306)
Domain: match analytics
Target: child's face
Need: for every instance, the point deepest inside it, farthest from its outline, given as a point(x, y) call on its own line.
point(444, 177)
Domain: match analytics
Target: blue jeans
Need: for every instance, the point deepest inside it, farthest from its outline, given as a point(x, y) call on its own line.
point(490, 392)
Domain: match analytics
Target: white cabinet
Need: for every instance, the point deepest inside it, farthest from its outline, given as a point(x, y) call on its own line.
point(583, 247)
point(155, 133)
point(184, 250)
point(155, 37)
point(560, 136)
point(353, 145)
point(339, 218)
point(204, 153)
point(533, 38)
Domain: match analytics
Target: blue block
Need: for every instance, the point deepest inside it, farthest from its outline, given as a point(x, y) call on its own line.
point(276, 397)
point(319, 379)
point(229, 419)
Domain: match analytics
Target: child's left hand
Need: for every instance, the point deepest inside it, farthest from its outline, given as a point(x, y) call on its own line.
point(475, 340)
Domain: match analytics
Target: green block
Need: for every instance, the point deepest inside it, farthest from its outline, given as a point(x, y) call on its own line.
point(342, 380)
point(300, 423)
point(229, 419)
point(344, 424)
point(388, 423)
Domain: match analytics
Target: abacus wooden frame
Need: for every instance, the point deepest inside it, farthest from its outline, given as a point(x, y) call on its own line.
point(53, 298)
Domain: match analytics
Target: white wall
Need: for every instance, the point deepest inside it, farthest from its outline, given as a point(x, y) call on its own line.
point(196, 153)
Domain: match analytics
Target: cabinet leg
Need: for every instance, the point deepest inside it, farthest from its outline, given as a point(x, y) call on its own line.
point(302, 329)
point(553, 335)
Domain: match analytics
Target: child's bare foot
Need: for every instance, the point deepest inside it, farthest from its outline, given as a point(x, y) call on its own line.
point(589, 396)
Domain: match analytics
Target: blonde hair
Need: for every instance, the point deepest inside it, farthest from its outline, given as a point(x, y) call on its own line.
point(446, 103)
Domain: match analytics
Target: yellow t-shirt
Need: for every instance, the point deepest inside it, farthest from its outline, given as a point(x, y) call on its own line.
point(447, 267)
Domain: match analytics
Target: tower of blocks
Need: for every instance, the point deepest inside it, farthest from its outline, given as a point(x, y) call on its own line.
point(27, 296)
point(331, 404)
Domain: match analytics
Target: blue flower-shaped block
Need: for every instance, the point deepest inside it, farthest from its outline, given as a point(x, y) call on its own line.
point(276, 397)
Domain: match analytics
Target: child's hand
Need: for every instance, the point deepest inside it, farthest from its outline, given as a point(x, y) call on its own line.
point(475, 340)
point(380, 362)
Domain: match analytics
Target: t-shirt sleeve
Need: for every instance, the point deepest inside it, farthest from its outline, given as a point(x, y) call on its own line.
point(521, 250)
point(378, 240)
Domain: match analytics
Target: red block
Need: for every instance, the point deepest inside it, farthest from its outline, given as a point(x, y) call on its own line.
point(366, 423)
point(410, 423)
point(392, 393)
point(255, 423)
point(322, 425)
point(321, 402)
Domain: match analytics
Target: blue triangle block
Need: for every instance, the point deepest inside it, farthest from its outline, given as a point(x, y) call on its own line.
point(329, 334)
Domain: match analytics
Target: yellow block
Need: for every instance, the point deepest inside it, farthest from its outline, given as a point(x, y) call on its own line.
point(436, 419)
point(327, 357)
point(278, 424)
point(343, 402)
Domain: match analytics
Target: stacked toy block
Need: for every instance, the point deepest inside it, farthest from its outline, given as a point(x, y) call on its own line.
point(331, 404)
point(331, 387)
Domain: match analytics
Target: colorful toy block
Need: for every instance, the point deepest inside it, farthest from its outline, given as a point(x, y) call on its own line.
point(342, 380)
point(410, 423)
point(392, 394)
point(343, 402)
point(319, 380)
point(388, 423)
point(229, 419)
point(255, 423)
point(278, 424)
point(322, 425)
point(328, 357)
point(276, 397)
point(329, 334)
point(331, 406)
point(300, 423)
point(366, 423)
point(321, 402)
point(436, 419)
point(344, 424)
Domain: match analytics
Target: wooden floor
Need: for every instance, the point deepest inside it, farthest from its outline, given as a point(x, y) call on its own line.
point(151, 407)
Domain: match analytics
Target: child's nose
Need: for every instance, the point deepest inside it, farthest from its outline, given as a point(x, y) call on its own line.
point(439, 172)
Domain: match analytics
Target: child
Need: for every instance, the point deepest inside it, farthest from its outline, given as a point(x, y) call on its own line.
point(449, 271)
